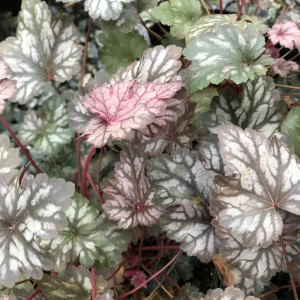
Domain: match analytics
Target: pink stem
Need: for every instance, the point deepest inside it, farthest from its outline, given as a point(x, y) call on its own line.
point(176, 285)
point(37, 291)
point(93, 279)
point(221, 6)
point(164, 247)
point(20, 144)
point(141, 246)
point(153, 276)
point(285, 12)
point(85, 172)
point(240, 10)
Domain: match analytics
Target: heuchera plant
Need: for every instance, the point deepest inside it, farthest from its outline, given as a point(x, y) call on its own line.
point(150, 150)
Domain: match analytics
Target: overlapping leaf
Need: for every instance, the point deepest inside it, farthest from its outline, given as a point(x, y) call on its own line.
point(230, 293)
point(88, 236)
point(9, 157)
point(266, 177)
point(183, 183)
point(158, 64)
point(124, 106)
point(129, 194)
point(261, 108)
point(44, 49)
point(120, 49)
point(228, 53)
point(180, 15)
point(47, 130)
point(34, 209)
point(75, 284)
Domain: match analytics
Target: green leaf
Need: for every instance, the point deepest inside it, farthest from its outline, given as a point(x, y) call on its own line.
point(209, 23)
point(47, 130)
point(74, 285)
point(202, 99)
point(129, 17)
point(120, 50)
point(261, 108)
point(228, 53)
point(183, 185)
point(178, 14)
point(88, 236)
point(291, 127)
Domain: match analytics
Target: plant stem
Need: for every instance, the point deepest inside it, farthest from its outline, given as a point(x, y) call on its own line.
point(116, 270)
point(20, 282)
point(275, 290)
point(287, 53)
point(295, 249)
point(221, 6)
point(55, 165)
point(156, 248)
point(78, 159)
point(54, 86)
point(205, 7)
point(294, 57)
point(153, 276)
point(20, 144)
point(90, 179)
point(157, 36)
point(85, 172)
point(85, 51)
point(285, 12)
point(291, 94)
point(288, 267)
point(141, 246)
point(37, 291)
point(93, 280)
point(98, 170)
point(176, 285)
point(23, 172)
point(240, 10)
point(288, 86)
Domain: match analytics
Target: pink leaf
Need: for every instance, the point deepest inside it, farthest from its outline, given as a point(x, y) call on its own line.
point(283, 67)
point(286, 34)
point(129, 194)
point(273, 52)
point(138, 278)
point(7, 87)
point(124, 106)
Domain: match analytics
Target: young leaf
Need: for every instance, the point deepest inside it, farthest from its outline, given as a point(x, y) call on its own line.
point(183, 185)
point(266, 178)
point(129, 194)
point(229, 53)
point(124, 106)
point(86, 237)
point(44, 49)
point(158, 64)
point(104, 9)
point(7, 87)
point(180, 15)
point(120, 49)
point(9, 157)
point(47, 130)
point(261, 108)
point(75, 284)
point(230, 293)
point(291, 127)
point(27, 212)
point(129, 17)
point(284, 67)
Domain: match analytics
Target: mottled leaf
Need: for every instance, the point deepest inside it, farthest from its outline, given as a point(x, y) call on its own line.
point(87, 237)
point(48, 129)
point(27, 212)
point(265, 178)
point(44, 49)
point(261, 108)
point(291, 126)
point(75, 284)
point(180, 15)
point(183, 185)
point(129, 194)
point(124, 106)
point(227, 53)
point(120, 49)
point(158, 64)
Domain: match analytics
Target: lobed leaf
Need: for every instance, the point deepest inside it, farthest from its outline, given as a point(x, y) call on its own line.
point(129, 194)
point(228, 53)
point(34, 209)
point(265, 178)
point(44, 49)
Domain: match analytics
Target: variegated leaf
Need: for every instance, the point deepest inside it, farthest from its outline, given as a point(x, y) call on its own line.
point(129, 194)
point(27, 212)
point(44, 49)
point(261, 108)
point(227, 53)
point(266, 177)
